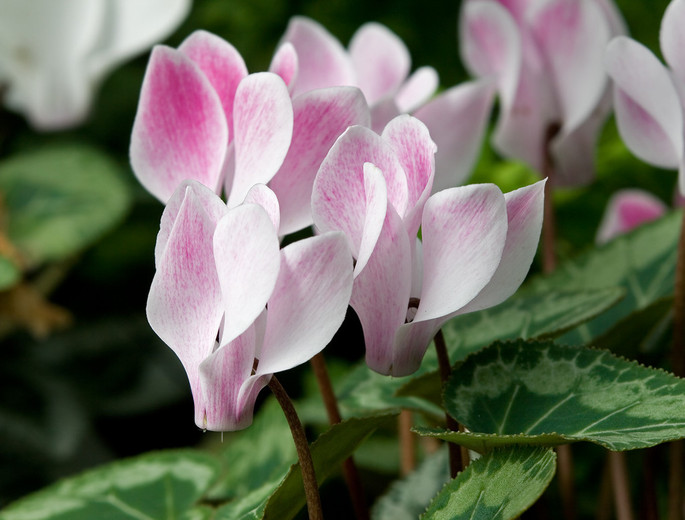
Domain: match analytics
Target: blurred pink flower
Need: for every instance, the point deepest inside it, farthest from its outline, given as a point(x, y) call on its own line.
point(628, 209)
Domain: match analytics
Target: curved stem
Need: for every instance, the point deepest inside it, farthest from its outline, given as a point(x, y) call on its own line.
point(619, 478)
point(549, 222)
point(350, 472)
point(311, 488)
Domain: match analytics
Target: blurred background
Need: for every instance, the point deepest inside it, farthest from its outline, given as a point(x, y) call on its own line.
point(83, 379)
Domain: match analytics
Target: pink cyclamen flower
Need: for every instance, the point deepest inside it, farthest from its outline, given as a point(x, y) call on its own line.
point(378, 62)
point(477, 243)
point(648, 97)
point(546, 57)
point(233, 306)
point(626, 210)
point(201, 116)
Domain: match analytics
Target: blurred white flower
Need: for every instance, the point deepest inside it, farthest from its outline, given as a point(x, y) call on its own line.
point(53, 54)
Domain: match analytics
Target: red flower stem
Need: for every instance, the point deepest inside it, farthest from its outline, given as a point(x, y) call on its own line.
point(549, 222)
point(354, 486)
point(407, 443)
point(621, 486)
point(311, 488)
point(457, 461)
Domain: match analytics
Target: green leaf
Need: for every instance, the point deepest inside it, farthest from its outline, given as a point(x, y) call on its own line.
point(407, 498)
point(9, 273)
point(498, 486)
point(568, 393)
point(642, 262)
point(61, 199)
point(328, 453)
point(149, 487)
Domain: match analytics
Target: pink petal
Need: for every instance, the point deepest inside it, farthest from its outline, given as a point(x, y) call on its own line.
point(382, 113)
point(247, 255)
point(464, 230)
point(263, 122)
point(524, 215)
point(617, 25)
point(260, 194)
point(285, 64)
point(221, 377)
point(184, 305)
point(572, 36)
point(380, 59)
point(309, 302)
point(626, 210)
point(320, 117)
point(322, 60)
point(648, 111)
point(338, 196)
point(381, 292)
point(376, 207)
point(180, 130)
point(456, 120)
point(221, 63)
point(673, 43)
point(417, 89)
point(411, 142)
point(411, 342)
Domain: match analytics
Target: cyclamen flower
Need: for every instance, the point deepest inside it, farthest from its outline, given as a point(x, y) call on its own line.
point(477, 245)
point(546, 57)
point(649, 98)
point(378, 62)
point(233, 306)
point(627, 209)
point(53, 54)
point(201, 116)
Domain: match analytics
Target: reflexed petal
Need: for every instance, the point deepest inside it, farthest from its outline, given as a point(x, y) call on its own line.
point(221, 63)
point(673, 42)
point(285, 64)
point(180, 130)
point(320, 117)
point(411, 342)
point(456, 120)
point(648, 111)
point(380, 296)
point(309, 302)
point(262, 195)
point(338, 197)
point(417, 89)
point(572, 35)
point(263, 122)
point(491, 45)
point(221, 377)
point(184, 305)
point(464, 231)
point(524, 215)
point(376, 208)
point(380, 59)
point(322, 60)
point(247, 256)
point(626, 210)
point(411, 142)
point(617, 25)
point(207, 199)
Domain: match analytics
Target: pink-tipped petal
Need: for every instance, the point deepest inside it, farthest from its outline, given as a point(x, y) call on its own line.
point(261, 194)
point(376, 207)
point(309, 302)
point(412, 143)
point(456, 120)
point(572, 35)
point(210, 201)
point(247, 256)
point(673, 42)
point(285, 64)
point(180, 130)
point(524, 215)
point(184, 305)
point(338, 196)
point(320, 117)
point(626, 210)
point(263, 122)
point(491, 45)
point(221, 63)
point(221, 377)
point(322, 60)
point(380, 296)
point(464, 230)
point(648, 110)
point(417, 90)
point(380, 59)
